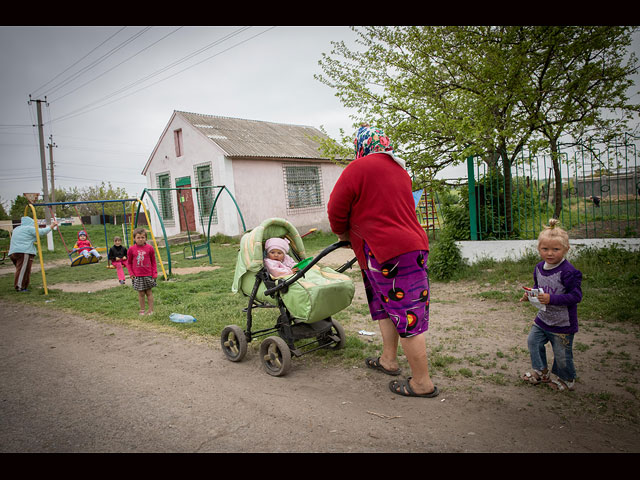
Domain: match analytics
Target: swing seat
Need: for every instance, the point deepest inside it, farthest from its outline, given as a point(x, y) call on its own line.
point(205, 248)
point(82, 260)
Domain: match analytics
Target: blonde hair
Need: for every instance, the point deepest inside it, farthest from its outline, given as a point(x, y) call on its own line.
point(554, 232)
point(116, 238)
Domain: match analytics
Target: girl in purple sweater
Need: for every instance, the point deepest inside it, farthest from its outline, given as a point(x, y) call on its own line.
point(557, 319)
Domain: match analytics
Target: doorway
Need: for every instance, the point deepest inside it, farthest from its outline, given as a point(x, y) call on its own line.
point(185, 204)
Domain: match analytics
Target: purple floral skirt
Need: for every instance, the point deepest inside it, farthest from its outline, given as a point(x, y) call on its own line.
point(399, 290)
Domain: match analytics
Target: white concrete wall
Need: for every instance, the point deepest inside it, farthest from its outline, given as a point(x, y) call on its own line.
point(472, 251)
point(197, 150)
point(257, 185)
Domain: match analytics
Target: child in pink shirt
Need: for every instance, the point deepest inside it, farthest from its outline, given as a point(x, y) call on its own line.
point(141, 264)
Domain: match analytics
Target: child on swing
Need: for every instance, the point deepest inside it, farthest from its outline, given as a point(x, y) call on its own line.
point(141, 264)
point(84, 247)
point(118, 258)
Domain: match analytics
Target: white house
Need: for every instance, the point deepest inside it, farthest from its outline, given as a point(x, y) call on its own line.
point(271, 169)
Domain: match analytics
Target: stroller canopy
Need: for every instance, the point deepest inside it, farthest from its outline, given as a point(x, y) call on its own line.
point(251, 254)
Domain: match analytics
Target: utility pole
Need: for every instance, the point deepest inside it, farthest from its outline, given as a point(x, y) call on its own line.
point(53, 182)
point(43, 166)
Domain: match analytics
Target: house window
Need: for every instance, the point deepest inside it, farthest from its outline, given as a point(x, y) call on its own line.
point(204, 182)
point(303, 187)
point(177, 137)
point(164, 197)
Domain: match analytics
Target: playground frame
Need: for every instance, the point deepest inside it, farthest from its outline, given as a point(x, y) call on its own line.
point(222, 188)
point(127, 235)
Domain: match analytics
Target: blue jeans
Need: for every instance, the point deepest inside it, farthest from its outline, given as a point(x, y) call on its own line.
point(562, 345)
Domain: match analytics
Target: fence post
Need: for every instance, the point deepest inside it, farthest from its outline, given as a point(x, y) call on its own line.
point(473, 211)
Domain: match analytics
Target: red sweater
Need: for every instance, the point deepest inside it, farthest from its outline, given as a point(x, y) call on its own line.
point(141, 261)
point(373, 202)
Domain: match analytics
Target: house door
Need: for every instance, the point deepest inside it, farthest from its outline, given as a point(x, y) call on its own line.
point(185, 204)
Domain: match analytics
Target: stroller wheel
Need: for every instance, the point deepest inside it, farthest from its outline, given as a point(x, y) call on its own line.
point(234, 343)
point(276, 356)
point(335, 338)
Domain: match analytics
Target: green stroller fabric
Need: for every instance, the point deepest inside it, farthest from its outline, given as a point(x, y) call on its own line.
point(321, 293)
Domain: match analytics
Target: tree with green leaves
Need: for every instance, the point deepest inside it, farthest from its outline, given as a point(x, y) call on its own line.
point(3, 213)
point(444, 93)
point(578, 88)
point(18, 205)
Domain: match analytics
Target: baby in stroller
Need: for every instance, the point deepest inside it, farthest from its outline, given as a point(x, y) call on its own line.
point(305, 299)
point(277, 262)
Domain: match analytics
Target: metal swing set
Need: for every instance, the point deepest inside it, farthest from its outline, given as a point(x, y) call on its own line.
point(77, 260)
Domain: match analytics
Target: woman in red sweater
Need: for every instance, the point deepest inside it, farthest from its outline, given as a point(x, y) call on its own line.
point(372, 206)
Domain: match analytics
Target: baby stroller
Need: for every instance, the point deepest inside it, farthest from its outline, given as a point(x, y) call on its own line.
point(305, 300)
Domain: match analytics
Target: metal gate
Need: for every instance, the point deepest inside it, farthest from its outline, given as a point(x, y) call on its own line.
point(595, 189)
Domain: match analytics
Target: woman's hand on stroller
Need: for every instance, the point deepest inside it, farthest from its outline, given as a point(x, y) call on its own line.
point(344, 237)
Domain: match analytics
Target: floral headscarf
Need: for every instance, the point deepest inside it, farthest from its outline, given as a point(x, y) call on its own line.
point(371, 140)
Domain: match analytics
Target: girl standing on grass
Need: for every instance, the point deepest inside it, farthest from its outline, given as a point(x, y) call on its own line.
point(141, 264)
point(557, 319)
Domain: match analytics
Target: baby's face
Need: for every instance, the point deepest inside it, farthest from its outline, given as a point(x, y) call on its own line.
point(117, 242)
point(276, 254)
point(82, 237)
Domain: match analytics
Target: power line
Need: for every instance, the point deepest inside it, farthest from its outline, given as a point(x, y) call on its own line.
point(98, 61)
point(99, 180)
point(157, 72)
point(73, 65)
point(115, 66)
point(80, 112)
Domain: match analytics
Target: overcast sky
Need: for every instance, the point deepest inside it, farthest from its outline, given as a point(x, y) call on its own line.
point(106, 117)
point(112, 90)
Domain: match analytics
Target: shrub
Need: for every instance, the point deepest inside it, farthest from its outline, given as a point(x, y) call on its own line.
point(445, 257)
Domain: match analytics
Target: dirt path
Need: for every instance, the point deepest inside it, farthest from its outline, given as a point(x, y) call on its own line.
point(72, 384)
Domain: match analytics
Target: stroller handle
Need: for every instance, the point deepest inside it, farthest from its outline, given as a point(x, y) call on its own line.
point(300, 273)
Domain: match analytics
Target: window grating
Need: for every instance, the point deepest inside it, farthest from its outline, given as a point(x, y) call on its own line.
point(164, 197)
point(303, 188)
point(204, 182)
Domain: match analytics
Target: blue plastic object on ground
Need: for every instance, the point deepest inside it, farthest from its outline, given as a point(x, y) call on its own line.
point(181, 318)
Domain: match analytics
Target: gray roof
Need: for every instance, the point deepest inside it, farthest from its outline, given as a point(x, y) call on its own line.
point(252, 138)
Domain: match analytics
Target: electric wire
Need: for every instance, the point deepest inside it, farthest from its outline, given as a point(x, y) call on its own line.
point(97, 61)
point(78, 61)
point(157, 72)
point(87, 109)
point(115, 66)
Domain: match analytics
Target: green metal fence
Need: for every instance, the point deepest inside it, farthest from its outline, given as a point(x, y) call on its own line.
point(595, 190)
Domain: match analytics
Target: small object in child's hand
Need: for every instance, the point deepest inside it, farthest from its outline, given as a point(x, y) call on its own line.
point(532, 295)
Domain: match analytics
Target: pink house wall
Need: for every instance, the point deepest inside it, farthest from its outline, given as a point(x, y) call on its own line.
point(260, 192)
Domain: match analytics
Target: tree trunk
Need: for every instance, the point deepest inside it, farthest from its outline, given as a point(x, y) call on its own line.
point(558, 178)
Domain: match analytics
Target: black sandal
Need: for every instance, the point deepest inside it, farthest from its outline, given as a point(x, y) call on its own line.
point(376, 365)
point(406, 390)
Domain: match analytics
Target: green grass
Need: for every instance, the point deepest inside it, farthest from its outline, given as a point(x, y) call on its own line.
point(205, 295)
point(611, 278)
point(610, 281)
